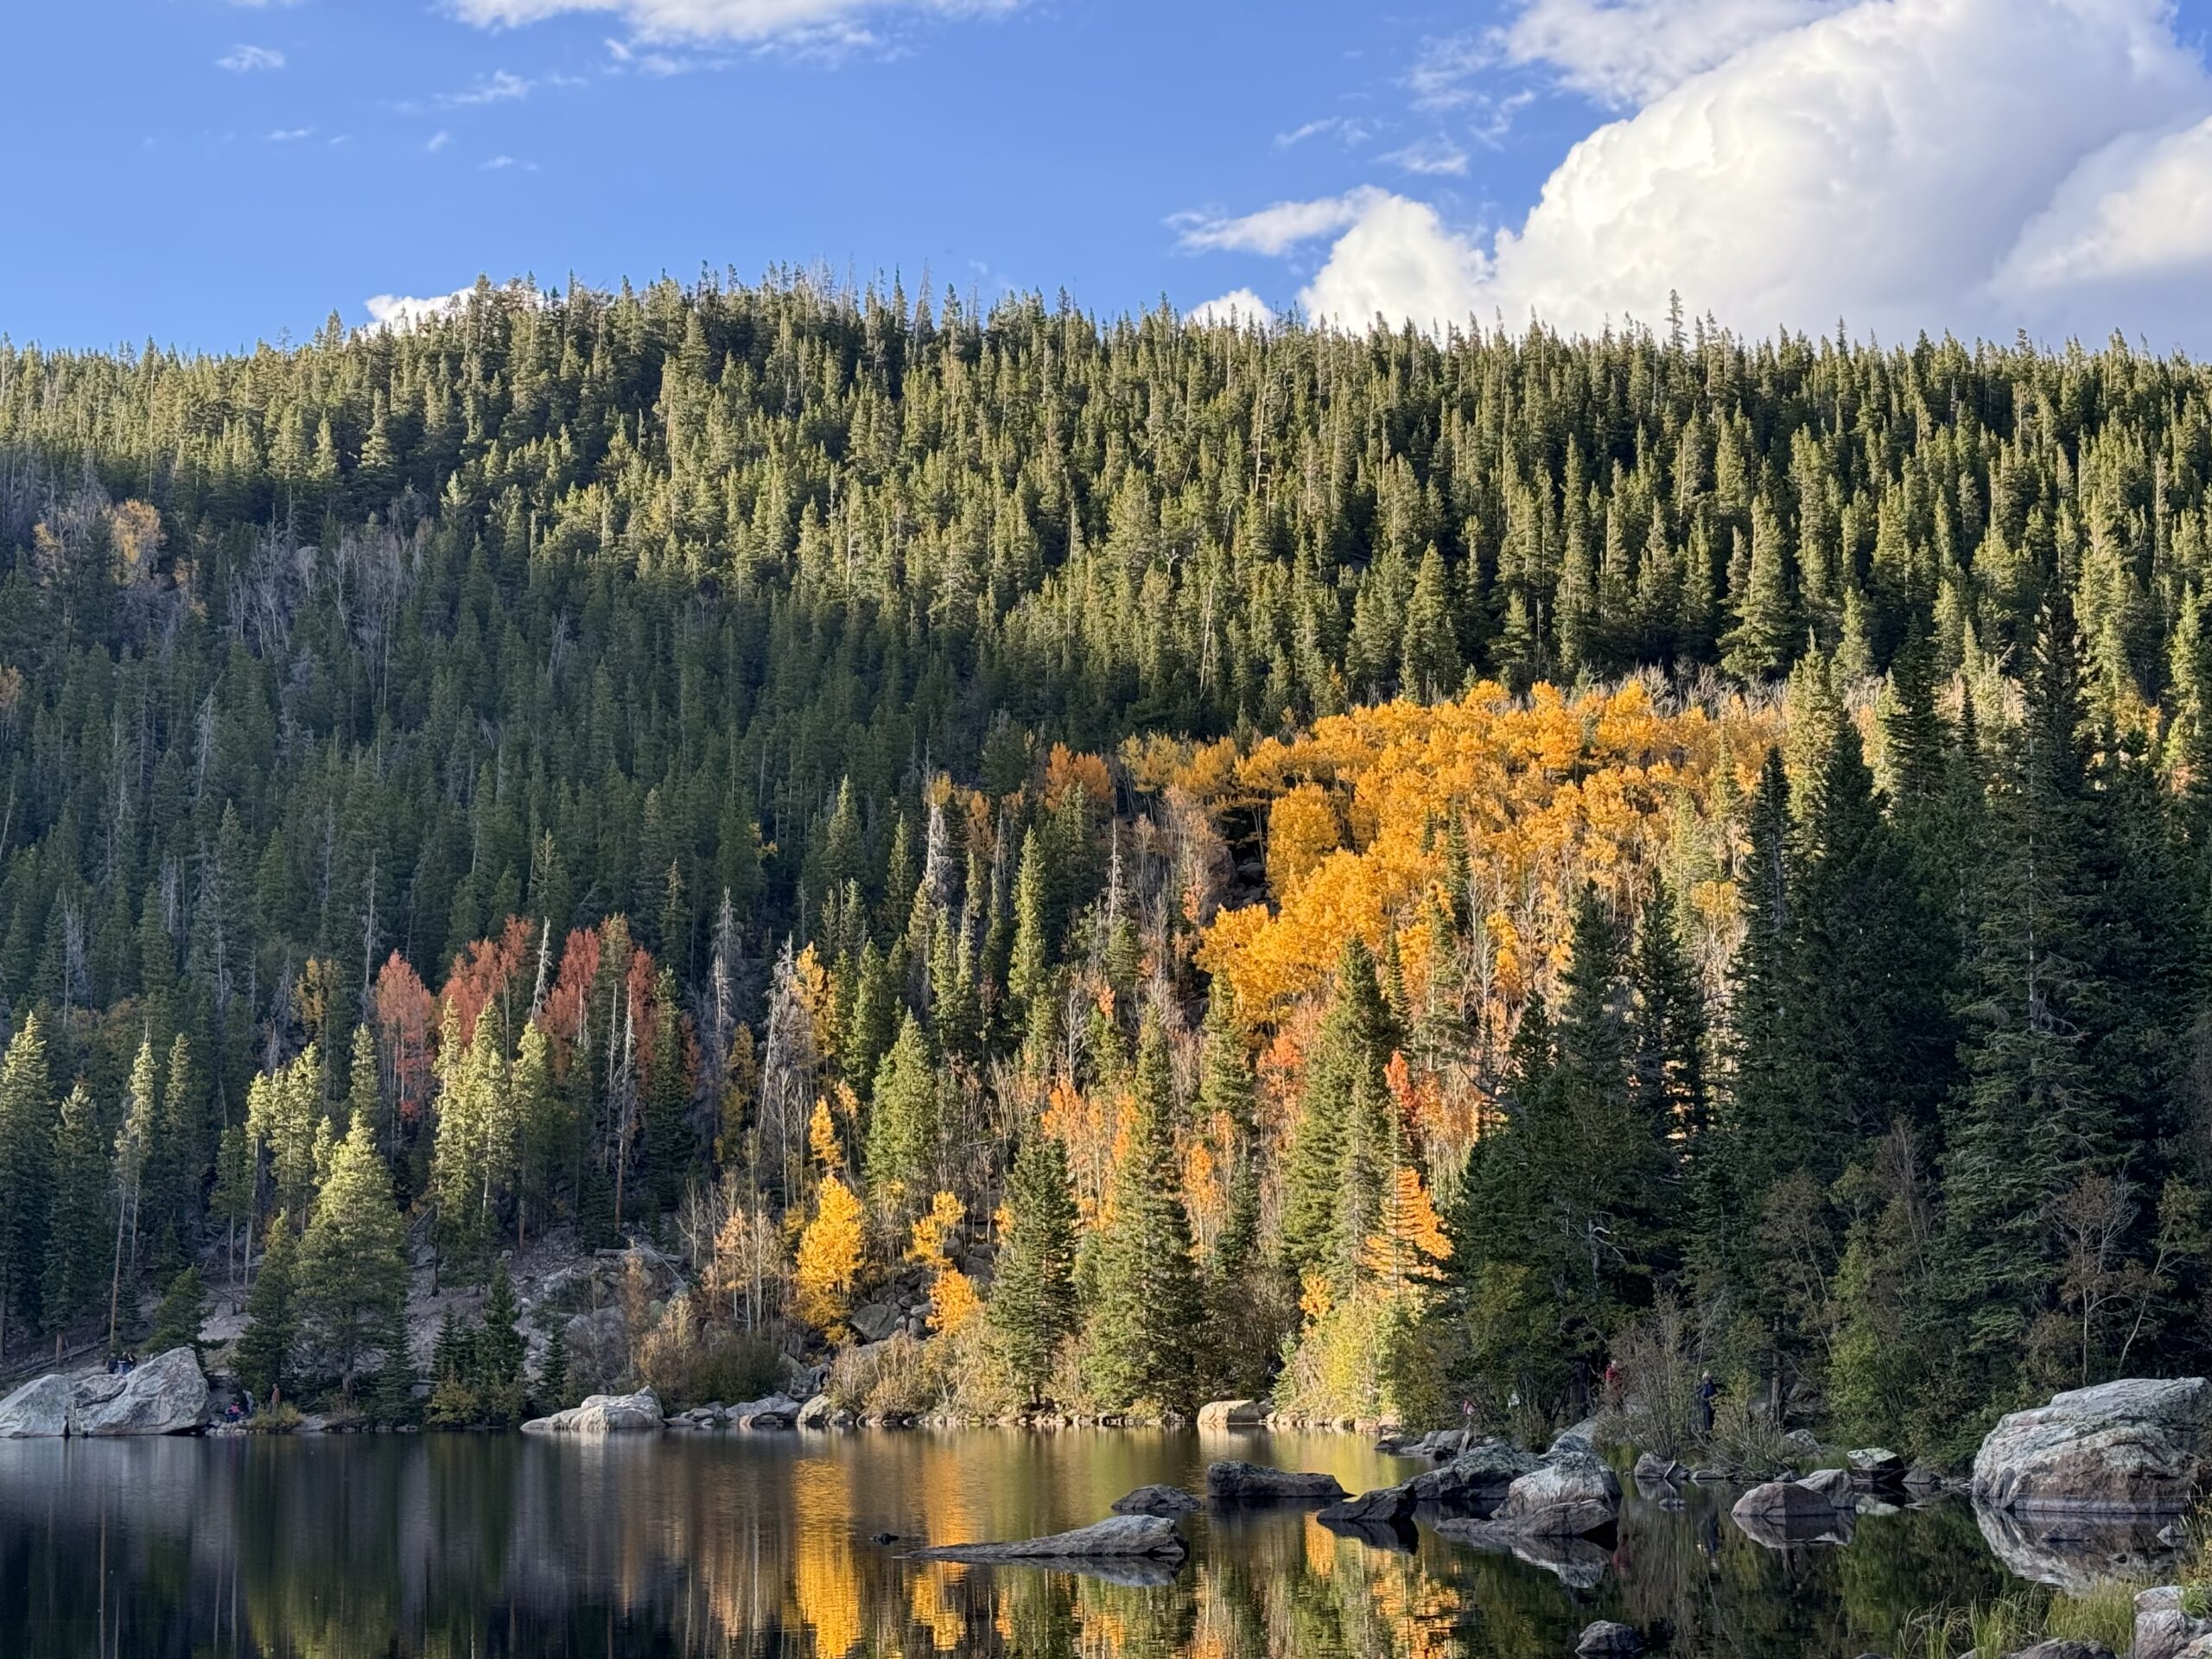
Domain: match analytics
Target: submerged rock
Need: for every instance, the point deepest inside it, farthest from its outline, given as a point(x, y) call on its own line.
point(1155, 1500)
point(1230, 1482)
point(1143, 1536)
point(1385, 1506)
point(2123, 1447)
point(602, 1414)
point(1607, 1640)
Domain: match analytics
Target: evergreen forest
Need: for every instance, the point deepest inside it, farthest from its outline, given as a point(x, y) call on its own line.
point(1386, 871)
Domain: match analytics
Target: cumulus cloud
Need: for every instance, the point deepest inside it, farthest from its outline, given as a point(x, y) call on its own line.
point(405, 311)
point(734, 20)
point(1976, 165)
point(1239, 308)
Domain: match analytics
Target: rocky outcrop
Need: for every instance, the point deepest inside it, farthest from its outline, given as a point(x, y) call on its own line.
point(39, 1410)
point(168, 1395)
point(2165, 1630)
point(1155, 1500)
point(1251, 1483)
point(1217, 1414)
point(1608, 1639)
point(602, 1414)
point(1571, 1494)
point(1387, 1506)
point(1149, 1537)
point(2121, 1448)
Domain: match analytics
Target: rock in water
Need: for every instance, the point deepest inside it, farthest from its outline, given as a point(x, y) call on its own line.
point(39, 1410)
point(1386, 1507)
point(1571, 1494)
point(168, 1395)
point(777, 1411)
point(1155, 1500)
point(815, 1412)
point(1607, 1640)
point(602, 1414)
point(1144, 1537)
point(1834, 1484)
point(1249, 1483)
point(1216, 1415)
point(1876, 1463)
point(2119, 1447)
point(1650, 1466)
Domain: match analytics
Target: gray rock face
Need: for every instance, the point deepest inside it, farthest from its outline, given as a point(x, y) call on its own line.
point(1150, 1537)
point(1608, 1639)
point(1650, 1466)
point(1251, 1482)
point(2064, 1650)
point(1834, 1484)
point(1784, 1514)
point(1384, 1507)
point(602, 1414)
point(39, 1410)
point(1155, 1500)
point(168, 1395)
point(815, 1412)
point(1876, 1463)
point(2123, 1447)
point(2163, 1630)
point(876, 1321)
point(1217, 1414)
point(1562, 1495)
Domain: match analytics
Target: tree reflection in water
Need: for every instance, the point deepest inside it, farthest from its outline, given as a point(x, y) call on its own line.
point(473, 1548)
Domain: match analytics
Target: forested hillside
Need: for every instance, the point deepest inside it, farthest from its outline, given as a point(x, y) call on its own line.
point(1382, 869)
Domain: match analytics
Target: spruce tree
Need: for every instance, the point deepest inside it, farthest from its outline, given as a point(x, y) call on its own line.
point(1032, 1300)
point(353, 1261)
point(180, 1314)
point(28, 1121)
point(902, 1136)
point(1225, 1096)
point(267, 1348)
point(1145, 1331)
point(501, 1381)
point(1338, 1165)
point(77, 1223)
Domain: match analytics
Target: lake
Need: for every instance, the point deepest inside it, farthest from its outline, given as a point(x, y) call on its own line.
point(466, 1547)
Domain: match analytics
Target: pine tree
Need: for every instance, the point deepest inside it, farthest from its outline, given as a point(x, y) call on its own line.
point(1339, 1162)
point(180, 1314)
point(553, 1391)
point(1430, 666)
point(27, 1133)
point(77, 1228)
point(501, 1382)
point(902, 1138)
point(1144, 1334)
point(671, 1147)
point(141, 1111)
point(353, 1261)
point(1033, 1302)
point(266, 1349)
point(1225, 1096)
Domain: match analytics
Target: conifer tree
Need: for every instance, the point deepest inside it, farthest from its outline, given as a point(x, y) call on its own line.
point(352, 1262)
point(77, 1228)
point(266, 1349)
point(903, 1123)
point(1032, 1302)
point(27, 1133)
point(1144, 1334)
point(180, 1313)
point(1338, 1163)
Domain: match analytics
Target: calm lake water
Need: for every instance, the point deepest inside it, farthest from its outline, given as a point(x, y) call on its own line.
point(462, 1547)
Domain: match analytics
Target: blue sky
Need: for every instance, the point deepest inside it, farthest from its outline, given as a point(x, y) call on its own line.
point(209, 172)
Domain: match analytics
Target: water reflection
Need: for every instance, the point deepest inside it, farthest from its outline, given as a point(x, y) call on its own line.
point(430, 1546)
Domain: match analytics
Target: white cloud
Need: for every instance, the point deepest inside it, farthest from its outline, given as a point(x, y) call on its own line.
point(1240, 307)
point(1431, 157)
point(1625, 52)
point(1272, 231)
point(1979, 166)
point(500, 86)
point(506, 164)
point(735, 20)
point(291, 134)
point(405, 311)
point(248, 60)
point(438, 141)
point(1347, 130)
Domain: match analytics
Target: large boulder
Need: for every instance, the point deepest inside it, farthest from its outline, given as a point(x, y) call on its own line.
point(1571, 1494)
point(1145, 1536)
point(1878, 1464)
point(603, 1414)
point(1834, 1484)
point(168, 1395)
point(1652, 1468)
point(1155, 1500)
point(1252, 1483)
point(39, 1410)
point(1217, 1414)
point(2163, 1628)
point(777, 1411)
point(815, 1412)
point(2123, 1447)
point(1785, 1514)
